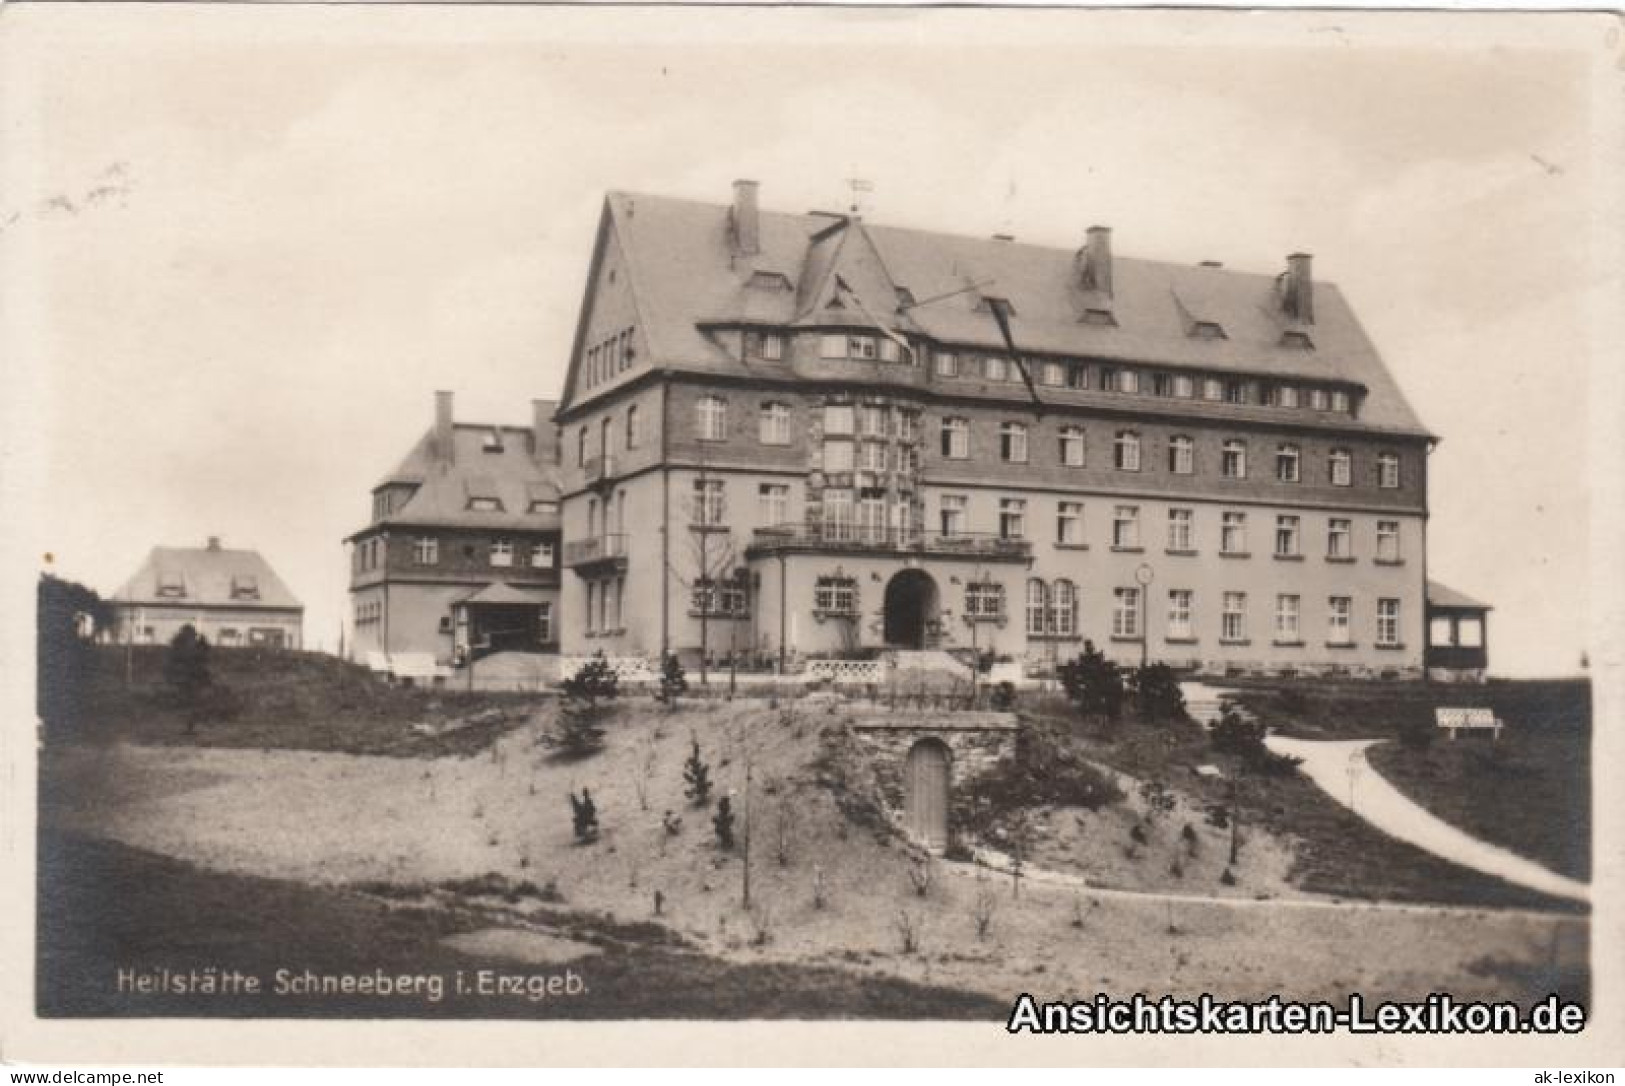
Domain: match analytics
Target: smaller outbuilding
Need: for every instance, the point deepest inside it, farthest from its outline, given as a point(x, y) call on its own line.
point(1458, 648)
point(232, 597)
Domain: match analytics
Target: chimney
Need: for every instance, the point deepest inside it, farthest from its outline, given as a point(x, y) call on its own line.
point(745, 221)
point(542, 442)
point(214, 542)
point(444, 450)
point(1097, 260)
point(1298, 299)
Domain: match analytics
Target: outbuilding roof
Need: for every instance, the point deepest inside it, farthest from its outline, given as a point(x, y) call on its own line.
point(209, 576)
point(1442, 595)
point(685, 277)
point(493, 479)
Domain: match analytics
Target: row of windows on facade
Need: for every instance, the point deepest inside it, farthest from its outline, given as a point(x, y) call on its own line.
point(843, 452)
point(172, 585)
point(1070, 373)
point(609, 357)
point(426, 552)
point(1052, 612)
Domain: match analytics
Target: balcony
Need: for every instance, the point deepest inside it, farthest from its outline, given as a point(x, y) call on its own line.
point(599, 469)
point(596, 555)
point(856, 539)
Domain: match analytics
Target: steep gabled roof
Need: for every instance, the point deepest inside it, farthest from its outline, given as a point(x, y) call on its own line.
point(207, 576)
point(507, 470)
point(685, 277)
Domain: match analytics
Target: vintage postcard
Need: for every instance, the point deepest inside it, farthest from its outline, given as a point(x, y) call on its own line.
point(673, 534)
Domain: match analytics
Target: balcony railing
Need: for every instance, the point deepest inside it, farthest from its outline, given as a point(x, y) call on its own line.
point(854, 537)
point(587, 552)
point(599, 468)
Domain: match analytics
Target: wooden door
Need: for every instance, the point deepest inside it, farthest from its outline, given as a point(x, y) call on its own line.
point(926, 793)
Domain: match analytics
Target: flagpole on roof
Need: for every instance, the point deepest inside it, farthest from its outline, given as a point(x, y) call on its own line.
point(1001, 316)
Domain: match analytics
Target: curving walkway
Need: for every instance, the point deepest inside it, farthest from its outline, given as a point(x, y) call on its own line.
point(1342, 770)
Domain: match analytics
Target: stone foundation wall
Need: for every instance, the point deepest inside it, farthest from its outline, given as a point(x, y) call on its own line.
point(976, 741)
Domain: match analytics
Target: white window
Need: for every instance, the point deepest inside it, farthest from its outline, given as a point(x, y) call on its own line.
point(425, 551)
point(1077, 375)
point(1013, 443)
point(1287, 463)
point(873, 420)
point(1184, 387)
point(1128, 381)
point(832, 346)
point(838, 513)
point(1236, 392)
point(1037, 608)
point(1233, 459)
point(1233, 533)
point(951, 514)
point(772, 345)
point(1126, 612)
point(541, 557)
point(1340, 401)
point(1053, 373)
point(835, 596)
point(1387, 540)
point(1181, 534)
point(984, 600)
point(1179, 614)
point(1233, 619)
point(1126, 526)
point(1072, 446)
point(947, 363)
point(1339, 538)
point(774, 501)
point(1286, 395)
point(1286, 619)
point(1388, 470)
point(1441, 632)
point(1286, 536)
point(956, 438)
point(1340, 467)
point(995, 368)
point(1069, 523)
point(838, 455)
point(713, 418)
point(632, 435)
point(862, 347)
point(1470, 632)
point(1063, 608)
point(872, 517)
point(502, 552)
point(1126, 451)
point(709, 501)
point(1388, 622)
point(1012, 518)
point(1340, 620)
point(1318, 400)
point(1181, 455)
point(774, 424)
point(839, 420)
point(1212, 388)
point(873, 456)
point(890, 350)
point(907, 424)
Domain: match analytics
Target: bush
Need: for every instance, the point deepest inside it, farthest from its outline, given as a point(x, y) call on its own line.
point(578, 730)
point(697, 777)
point(584, 816)
point(1233, 735)
point(1157, 694)
point(1045, 769)
point(1094, 684)
point(723, 823)
point(673, 680)
point(594, 681)
point(186, 665)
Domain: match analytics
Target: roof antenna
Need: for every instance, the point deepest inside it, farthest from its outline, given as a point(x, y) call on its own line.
point(859, 186)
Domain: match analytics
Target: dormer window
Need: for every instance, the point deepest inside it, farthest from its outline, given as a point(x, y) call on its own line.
point(1102, 317)
point(1207, 330)
point(1298, 341)
point(485, 505)
point(544, 507)
point(245, 586)
point(905, 297)
point(493, 441)
point(989, 302)
point(766, 280)
point(171, 585)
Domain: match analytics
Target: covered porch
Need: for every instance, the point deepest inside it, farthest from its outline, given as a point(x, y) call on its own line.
point(503, 618)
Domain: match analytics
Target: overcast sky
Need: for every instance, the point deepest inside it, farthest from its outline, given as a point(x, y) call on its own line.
point(248, 244)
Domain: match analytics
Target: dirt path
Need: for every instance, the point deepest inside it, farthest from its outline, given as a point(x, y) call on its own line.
point(1342, 770)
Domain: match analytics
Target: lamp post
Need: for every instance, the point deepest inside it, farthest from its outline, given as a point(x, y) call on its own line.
point(1143, 576)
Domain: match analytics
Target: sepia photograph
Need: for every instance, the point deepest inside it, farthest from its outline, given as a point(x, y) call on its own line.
point(1045, 521)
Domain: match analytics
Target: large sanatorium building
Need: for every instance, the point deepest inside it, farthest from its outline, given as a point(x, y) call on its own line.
point(791, 436)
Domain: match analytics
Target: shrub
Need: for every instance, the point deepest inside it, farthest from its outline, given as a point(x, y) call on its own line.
point(1157, 694)
point(186, 664)
point(594, 681)
point(584, 816)
point(673, 680)
point(920, 875)
point(983, 910)
point(1094, 684)
point(1045, 769)
point(723, 823)
point(696, 777)
point(1233, 735)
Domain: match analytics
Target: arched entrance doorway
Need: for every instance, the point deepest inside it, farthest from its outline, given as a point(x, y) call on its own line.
point(925, 793)
point(911, 606)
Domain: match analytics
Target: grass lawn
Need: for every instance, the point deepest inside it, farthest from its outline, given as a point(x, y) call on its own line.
point(104, 906)
point(276, 699)
point(1337, 853)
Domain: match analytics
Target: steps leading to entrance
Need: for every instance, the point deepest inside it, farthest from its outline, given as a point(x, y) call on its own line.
point(1205, 703)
